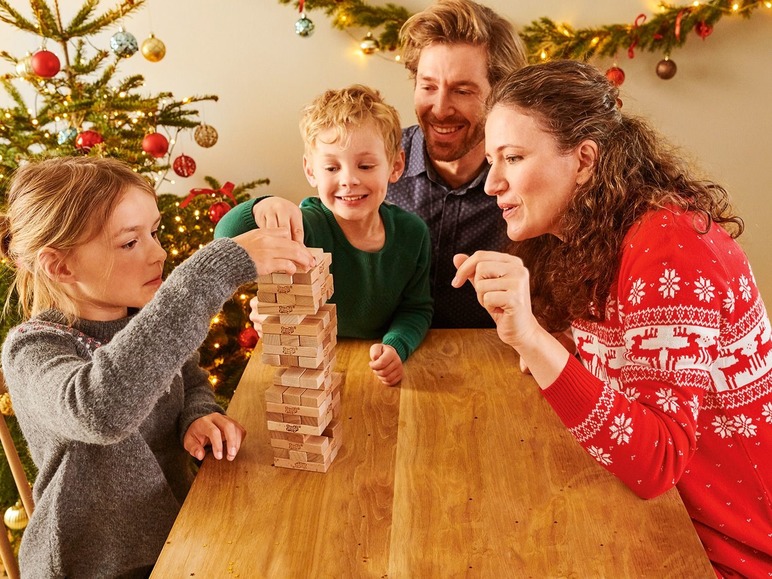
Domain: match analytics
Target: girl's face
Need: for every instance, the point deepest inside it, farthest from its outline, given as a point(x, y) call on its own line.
point(531, 178)
point(121, 267)
point(352, 177)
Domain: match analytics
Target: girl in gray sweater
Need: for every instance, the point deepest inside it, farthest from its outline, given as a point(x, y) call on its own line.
point(104, 374)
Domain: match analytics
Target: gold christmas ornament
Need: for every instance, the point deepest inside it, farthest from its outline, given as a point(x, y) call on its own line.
point(153, 49)
point(24, 66)
point(6, 408)
point(205, 135)
point(369, 45)
point(16, 517)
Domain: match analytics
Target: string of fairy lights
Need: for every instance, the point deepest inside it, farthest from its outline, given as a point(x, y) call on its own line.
point(544, 38)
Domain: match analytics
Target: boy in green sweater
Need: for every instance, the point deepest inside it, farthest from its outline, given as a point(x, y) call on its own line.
point(380, 253)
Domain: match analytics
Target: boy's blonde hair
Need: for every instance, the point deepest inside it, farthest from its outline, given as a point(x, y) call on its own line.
point(58, 203)
point(349, 108)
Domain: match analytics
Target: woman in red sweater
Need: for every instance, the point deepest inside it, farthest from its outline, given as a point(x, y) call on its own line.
point(638, 257)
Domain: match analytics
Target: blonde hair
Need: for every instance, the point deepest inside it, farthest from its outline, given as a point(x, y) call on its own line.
point(348, 108)
point(463, 22)
point(58, 203)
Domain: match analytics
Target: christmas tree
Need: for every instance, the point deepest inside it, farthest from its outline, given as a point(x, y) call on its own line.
point(67, 99)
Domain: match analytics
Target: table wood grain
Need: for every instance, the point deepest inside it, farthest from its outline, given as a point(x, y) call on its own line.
point(462, 471)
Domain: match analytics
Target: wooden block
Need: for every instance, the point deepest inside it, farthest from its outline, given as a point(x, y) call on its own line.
point(273, 416)
point(313, 398)
point(312, 444)
point(308, 327)
point(273, 339)
point(285, 299)
point(265, 298)
point(288, 377)
point(288, 340)
point(292, 419)
point(296, 318)
point(317, 378)
point(271, 360)
point(287, 360)
point(281, 453)
point(274, 393)
point(289, 437)
point(302, 411)
point(298, 428)
point(306, 351)
point(263, 279)
point(310, 466)
point(298, 455)
point(293, 396)
point(334, 430)
point(281, 278)
point(285, 310)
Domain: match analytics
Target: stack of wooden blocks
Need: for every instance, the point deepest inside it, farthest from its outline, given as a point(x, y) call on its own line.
point(299, 336)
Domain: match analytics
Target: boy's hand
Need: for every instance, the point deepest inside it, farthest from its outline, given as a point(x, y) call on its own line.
point(279, 212)
point(215, 430)
point(386, 364)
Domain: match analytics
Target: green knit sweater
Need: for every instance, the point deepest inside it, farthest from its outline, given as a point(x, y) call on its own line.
point(378, 294)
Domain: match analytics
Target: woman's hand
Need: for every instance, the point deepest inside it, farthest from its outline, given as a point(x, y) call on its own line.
point(386, 364)
point(502, 285)
point(215, 430)
point(274, 212)
point(273, 250)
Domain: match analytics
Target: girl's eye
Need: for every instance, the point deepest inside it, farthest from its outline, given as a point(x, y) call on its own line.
point(512, 158)
point(130, 244)
point(154, 233)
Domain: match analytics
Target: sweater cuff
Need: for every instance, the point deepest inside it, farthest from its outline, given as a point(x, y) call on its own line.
point(224, 259)
point(399, 346)
point(574, 393)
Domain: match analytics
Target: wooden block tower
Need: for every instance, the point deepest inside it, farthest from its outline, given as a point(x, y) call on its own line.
point(299, 336)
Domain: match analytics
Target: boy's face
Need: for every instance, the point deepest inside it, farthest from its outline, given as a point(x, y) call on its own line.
point(122, 266)
point(352, 177)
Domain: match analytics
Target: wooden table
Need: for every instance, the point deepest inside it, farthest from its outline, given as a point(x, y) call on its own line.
point(462, 471)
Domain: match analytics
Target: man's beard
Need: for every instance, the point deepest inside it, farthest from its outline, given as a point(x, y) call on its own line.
point(446, 152)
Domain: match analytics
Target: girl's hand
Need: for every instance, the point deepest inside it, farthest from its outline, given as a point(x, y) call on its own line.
point(256, 317)
point(215, 430)
point(502, 286)
point(386, 364)
point(274, 212)
point(272, 250)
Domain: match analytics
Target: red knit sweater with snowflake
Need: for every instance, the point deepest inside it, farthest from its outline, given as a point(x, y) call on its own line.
point(675, 387)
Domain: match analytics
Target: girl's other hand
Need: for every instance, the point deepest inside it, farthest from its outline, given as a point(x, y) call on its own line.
point(216, 430)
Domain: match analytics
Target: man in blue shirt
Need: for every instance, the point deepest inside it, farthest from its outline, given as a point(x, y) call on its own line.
point(455, 50)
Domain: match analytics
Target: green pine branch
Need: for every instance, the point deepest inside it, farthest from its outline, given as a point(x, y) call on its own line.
point(545, 38)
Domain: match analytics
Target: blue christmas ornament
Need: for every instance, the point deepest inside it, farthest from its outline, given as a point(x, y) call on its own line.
point(304, 27)
point(66, 135)
point(123, 43)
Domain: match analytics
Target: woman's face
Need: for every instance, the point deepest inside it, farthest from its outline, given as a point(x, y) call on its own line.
point(532, 180)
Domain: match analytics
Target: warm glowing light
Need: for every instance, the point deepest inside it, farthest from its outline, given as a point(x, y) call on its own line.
point(242, 297)
point(735, 7)
point(216, 319)
point(595, 41)
point(695, 3)
point(768, 4)
point(216, 346)
point(177, 218)
point(175, 253)
point(543, 55)
point(181, 229)
point(213, 380)
point(122, 94)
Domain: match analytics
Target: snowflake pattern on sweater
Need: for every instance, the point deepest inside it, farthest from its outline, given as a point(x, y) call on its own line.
point(681, 386)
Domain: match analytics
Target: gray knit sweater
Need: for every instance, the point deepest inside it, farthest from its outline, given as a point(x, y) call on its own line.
point(104, 407)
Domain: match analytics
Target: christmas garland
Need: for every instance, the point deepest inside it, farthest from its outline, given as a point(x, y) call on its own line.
point(545, 38)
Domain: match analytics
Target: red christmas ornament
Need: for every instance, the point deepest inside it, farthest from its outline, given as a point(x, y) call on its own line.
point(248, 338)
point(703, 29)
point(615, 75)
point(218, 210)
point(155, 144)
point(45, 64)
point(184, 166)
point(87, 139)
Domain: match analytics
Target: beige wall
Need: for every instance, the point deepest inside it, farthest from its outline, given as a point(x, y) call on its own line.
point(717, 108)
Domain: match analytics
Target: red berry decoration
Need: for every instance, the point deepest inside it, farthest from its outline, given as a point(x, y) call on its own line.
point(87, 139)
point(184, 166)
point(615, 75)
point(155, 144)
point(703, 29)
point(666, 69)
point(218, 210)
point(45, 64)
point(248, 338)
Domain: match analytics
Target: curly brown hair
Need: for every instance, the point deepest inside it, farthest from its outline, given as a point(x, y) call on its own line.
point(636, 172)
